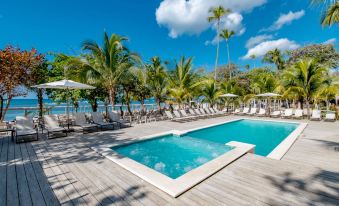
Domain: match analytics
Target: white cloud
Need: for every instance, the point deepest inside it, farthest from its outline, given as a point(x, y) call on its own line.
point(285, 19)
point(262, 48)
point(253, 41)
point(190, 16)
point(330, 41)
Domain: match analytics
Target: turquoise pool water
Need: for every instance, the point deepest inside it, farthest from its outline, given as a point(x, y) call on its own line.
point(174, 156)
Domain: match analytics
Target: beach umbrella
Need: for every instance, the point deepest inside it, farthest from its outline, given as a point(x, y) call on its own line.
point(268, 95)
point(228, 95)
point(64, 84)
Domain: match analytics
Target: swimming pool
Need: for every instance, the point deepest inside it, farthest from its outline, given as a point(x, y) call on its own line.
point(173, 155)
point(175, 161)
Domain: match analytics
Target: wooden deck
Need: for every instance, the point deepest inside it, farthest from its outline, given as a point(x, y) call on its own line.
point(66, 171)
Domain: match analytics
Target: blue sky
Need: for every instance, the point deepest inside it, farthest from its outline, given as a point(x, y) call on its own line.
point(167, 28)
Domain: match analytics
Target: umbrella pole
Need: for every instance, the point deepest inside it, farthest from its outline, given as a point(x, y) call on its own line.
point(67, 106)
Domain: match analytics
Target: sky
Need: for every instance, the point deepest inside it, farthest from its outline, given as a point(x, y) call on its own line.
point(165, 28)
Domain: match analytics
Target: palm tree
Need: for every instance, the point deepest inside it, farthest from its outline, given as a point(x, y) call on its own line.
point(227, 34)
point(216, 14)
point(253, 57)
point(108, 63)
point(275, 57)
point(305, 78)
point(331, 15)
point(157, 80)
point(142, 88)
point(211, 92)
point(182, 81)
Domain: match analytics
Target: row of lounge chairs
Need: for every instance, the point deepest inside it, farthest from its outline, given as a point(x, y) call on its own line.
point(287, 113)
point(193, 114)
point(54, 125)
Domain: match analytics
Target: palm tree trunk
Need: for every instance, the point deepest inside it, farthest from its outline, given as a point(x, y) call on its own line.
point(158, 103)
point(39, 95)
point(1, 107)
point(217, 55)
point(142, 102)
point(229, 59)
point(308, 108)
point(7, 106)
point(111, 94)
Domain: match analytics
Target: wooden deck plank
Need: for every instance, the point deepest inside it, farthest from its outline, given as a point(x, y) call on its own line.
point(3, 170)
point(12, 183)
point(52, 179)
point(33, 185)
point(91, 171)
point(23, 188)
point(79, 176)
point(47, 192)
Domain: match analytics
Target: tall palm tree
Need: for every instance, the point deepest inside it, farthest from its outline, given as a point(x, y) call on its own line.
point(182, 81)
point(227, 34)
point(305, 78)
point(108, 63)
point(275, 57)
point(157, 80)
point(331, 15)
point(216, 14)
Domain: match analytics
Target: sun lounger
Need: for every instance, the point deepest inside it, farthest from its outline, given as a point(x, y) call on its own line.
point(298, 114)
point(208, 111)
point(80, 121)
point(287, 113)
point(330, 117)
point(195, 114)
point(98, 119)
point(24, 127)
point(179, 117)
point(184, 114)
point(51, 124)
point(202, 111)
point(261, 113)
point(236, 111)
point(275, 114)
point(316, 115)
point(115, 117)
point(253, 111)
point(244, 111)
point(219, 112)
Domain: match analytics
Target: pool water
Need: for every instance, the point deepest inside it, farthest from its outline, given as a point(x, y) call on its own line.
point(174, 155)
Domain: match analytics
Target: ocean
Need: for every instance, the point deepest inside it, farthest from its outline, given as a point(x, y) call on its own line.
point(20, 107)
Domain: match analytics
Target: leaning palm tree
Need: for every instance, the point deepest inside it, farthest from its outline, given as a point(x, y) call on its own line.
point(305, 78)
point(157, 80)
point(227, 34)
point(108, 63)
point(216, 14)
point(331, 14)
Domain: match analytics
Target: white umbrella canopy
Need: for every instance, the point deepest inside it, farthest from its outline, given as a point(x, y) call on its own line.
point(228, 95)
point(63, 84)
point(268, 95)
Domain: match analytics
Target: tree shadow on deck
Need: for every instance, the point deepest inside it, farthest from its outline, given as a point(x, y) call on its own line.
point(324, 186)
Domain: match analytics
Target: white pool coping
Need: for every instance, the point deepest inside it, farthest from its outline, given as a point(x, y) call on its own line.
point(176, 187)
